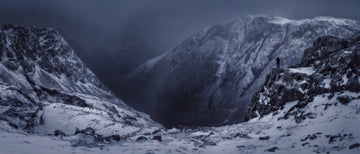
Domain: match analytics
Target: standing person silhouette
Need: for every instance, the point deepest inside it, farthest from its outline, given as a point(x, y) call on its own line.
point(277, 62)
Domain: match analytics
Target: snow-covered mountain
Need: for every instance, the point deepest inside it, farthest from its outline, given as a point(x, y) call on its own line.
point(321, 117)
point(46, 89)
point(209, 79)
point(312, 107)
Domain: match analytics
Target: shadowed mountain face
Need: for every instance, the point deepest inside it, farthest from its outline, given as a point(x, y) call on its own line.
point(210, 78)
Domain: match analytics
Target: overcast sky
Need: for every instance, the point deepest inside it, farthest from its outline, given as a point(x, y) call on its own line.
point(113, 36)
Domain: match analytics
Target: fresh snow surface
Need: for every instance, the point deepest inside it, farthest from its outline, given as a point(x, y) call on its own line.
point(304, 70)
point(333, 128)
point(68, 118)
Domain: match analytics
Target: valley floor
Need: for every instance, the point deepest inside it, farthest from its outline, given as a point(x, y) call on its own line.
point(332, 127)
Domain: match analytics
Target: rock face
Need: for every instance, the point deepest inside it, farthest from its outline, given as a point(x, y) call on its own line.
point(45, 59)
point(331, 65)
point(209, 79)
point(45, 88)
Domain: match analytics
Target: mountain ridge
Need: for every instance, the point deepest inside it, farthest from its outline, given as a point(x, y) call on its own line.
point(46, 88)
point(216, 71)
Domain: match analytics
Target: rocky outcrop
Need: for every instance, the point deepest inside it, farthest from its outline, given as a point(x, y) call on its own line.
point(331, 65)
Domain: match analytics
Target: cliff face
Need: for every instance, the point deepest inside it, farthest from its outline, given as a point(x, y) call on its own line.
point(45, 87)
point(331, 65)
point(209, 79)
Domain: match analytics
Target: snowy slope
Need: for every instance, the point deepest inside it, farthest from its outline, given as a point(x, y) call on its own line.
point(334, 130)
point(45, 87)
point(209, 79)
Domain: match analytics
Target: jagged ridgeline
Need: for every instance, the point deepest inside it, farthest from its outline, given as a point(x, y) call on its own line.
point(210, 78)
point(331, 65)
point(45, 87)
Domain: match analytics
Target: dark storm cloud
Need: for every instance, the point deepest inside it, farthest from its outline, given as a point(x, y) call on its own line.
point(113, 36)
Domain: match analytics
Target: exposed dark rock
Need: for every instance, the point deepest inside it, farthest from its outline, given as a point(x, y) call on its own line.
point(13, 125)
point(306, 143)
point(87, 131)
point(59, 133)
point(273, 149)
point(112, 137)
point(264, 138)
point(338, 137)
point(158, 138)
point(141, 138)
point(353, 146)
point(310, 137)
point(240, 135)
point(345, 99)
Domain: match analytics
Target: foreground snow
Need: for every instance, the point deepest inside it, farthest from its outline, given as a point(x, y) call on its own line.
point(334, 127)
